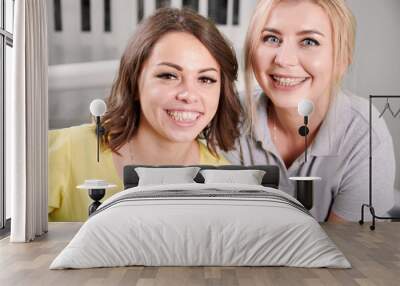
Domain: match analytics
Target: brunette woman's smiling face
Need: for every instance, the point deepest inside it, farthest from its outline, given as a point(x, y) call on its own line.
point(179, 88)
point(294, 59)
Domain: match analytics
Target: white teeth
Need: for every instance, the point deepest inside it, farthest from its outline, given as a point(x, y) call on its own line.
point(183, 115)
point(288, 81)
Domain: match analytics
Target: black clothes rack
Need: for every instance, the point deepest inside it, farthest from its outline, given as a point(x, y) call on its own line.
point(370, 205)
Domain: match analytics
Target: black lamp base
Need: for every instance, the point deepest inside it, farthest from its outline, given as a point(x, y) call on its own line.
point(305, 193)
point(96, 195)
point(305, 190)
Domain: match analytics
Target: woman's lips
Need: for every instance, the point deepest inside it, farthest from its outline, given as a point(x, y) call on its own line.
point(183, 117)
point(287, 83)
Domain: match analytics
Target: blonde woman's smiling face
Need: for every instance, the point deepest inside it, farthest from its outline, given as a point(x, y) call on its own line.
point(179, 88)
point(294, 59)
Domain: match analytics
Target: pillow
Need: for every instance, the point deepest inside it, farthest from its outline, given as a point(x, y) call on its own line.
point(161, 176)
point(248, 177)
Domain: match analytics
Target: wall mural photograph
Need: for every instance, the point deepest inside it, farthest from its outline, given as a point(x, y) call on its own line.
point(205, 133)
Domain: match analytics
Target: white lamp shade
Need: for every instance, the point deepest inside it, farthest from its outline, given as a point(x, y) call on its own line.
point(305, 107)
point(98, 107)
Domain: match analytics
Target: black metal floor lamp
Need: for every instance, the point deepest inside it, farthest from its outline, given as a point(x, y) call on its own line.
point(370, 205)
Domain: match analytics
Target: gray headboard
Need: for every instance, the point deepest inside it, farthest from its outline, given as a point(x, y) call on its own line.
point(270, 179)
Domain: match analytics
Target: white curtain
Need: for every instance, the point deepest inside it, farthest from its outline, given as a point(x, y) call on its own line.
point(27, 123)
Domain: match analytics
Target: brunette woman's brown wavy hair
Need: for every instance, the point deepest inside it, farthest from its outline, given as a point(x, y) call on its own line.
point(123, 105)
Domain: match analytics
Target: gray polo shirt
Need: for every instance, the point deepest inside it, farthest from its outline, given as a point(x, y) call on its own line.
point(339, 155)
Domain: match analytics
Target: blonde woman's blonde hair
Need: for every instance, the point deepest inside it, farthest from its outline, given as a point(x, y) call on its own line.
point(343, 31)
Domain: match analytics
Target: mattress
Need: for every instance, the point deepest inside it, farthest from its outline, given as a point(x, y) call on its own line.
point(201, 225)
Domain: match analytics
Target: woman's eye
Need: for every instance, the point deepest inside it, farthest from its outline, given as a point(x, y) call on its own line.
point(310, 42)
point(207, 80)
point(271, 39)
point(167, 76)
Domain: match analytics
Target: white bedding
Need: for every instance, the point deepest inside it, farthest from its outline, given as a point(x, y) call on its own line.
point(220, 226)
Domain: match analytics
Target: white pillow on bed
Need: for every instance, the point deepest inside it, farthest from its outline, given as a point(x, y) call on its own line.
point(162, 176)
point(248, 177)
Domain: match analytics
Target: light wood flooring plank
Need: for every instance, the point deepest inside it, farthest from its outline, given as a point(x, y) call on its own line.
point(374, 255)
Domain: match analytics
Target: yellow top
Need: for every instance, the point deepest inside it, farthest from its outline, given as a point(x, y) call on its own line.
point(73, 159)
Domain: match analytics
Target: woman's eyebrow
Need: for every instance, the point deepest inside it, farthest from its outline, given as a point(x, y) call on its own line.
point(267, 29)
point(303, 32)
point(179, 68)
point(208, 69)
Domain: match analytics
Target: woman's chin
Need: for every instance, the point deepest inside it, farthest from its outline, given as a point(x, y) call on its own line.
point(181, 138)
point(181, 135)
point(286, 102)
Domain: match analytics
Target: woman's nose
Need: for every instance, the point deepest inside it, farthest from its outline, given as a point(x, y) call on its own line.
point(187, 93)
point(186, 96)
point(286, 55)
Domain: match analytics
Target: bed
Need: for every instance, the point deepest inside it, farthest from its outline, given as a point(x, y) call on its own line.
point(202, 222)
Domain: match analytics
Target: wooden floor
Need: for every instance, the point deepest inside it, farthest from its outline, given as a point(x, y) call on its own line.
point(374, 255)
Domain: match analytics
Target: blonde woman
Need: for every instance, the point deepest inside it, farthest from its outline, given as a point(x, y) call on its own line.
point(301, 50)
point(175, 86)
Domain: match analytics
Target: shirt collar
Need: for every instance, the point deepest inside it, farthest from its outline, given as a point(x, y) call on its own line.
point(329, 137)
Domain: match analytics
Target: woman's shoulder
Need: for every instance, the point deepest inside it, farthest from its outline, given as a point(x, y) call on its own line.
point(207, 158)
point(74, 133)
point(360, 114)
point(358, 120)
point(358, 104)
point(72, 139)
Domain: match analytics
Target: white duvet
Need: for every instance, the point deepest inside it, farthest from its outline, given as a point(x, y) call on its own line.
point(222, 224)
